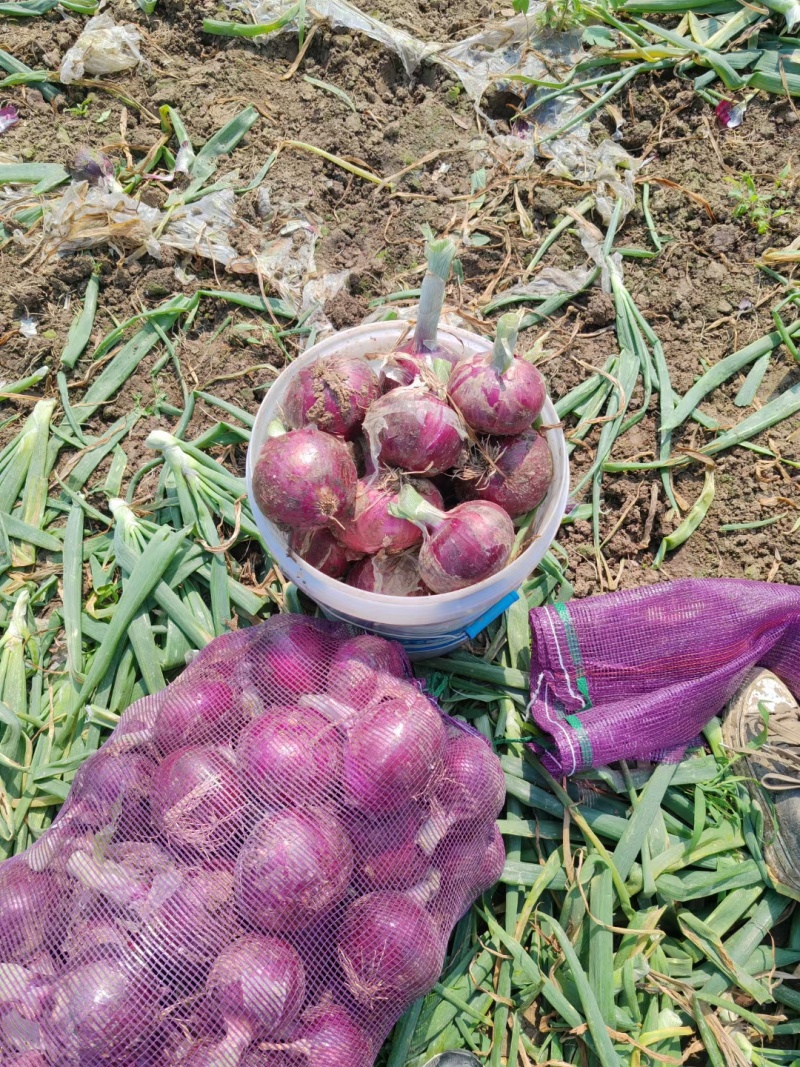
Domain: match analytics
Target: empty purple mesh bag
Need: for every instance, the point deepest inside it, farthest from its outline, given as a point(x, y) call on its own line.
point(637, 674)
point(261, 867)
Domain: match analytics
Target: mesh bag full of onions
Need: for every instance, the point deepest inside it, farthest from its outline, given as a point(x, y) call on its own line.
point(261, 867)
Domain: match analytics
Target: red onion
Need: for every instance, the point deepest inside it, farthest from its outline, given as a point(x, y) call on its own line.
point(361, 666)
point(294, 867)
point(389, 575)
point(325, 1037)
point(514, 473)
point(372, 527)
point(194, 712)
point(258, 984)
point(471, 787)
point(461, 547)
point(289, 753)
point(29, 1059)
point(293, 657)
point(93, 167)
point(102, 1012)
point(333, 393)
point(389, 947)
point(388, 854)
point(412, 429)
point(494, 860)
point(304, 478)
point(196, 800)
point(391, 753)
point(114, 789)
point(320, 549)
point(27, 902)
point(499, 393)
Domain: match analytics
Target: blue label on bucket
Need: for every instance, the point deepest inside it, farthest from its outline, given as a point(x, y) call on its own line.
point(428, 645)
point(493, 613)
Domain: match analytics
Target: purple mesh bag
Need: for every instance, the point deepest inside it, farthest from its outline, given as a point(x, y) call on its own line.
point(261, 867)
point(637, 674)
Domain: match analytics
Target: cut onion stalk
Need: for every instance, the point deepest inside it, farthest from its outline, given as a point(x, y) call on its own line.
point(388, 575)
point(304, 478)
point(512, 472)
point(404, 364)
point(460, 547)
point(498, 393)
point(471, 788)
point(333, 393)
point(412, 429)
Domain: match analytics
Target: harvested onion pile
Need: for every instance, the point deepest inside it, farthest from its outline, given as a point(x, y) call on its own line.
point(401, 474)
point(260, 868)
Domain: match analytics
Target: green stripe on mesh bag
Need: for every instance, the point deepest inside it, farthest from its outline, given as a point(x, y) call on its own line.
point(574, 653)
point(583, 741)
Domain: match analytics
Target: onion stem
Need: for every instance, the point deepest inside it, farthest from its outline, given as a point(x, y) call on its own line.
point(440, 257)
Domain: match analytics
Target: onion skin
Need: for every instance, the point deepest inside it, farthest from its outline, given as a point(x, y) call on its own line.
point(289, 753)
point(388, 575)
point(523, 470)
point(103, 1011)
point(305, 478)
point(389, 946)
point(373, 528)
point(414, 430)
point(320, 549)
point(293, 868)
point(333, 393)
point(391, 753)
point(194, 712)
point(196, 800)
point(27, 900)
point(503, 405)
point(258, 984)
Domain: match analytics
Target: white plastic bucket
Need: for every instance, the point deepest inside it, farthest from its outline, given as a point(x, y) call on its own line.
point(426, 626)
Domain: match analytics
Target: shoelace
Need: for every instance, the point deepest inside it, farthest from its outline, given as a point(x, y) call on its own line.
point(782, 747)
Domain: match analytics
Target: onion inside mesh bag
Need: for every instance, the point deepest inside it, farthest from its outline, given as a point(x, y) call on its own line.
point(261, 867)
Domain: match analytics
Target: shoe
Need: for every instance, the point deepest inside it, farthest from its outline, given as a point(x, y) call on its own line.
point(453, 1059)
point(772, 770)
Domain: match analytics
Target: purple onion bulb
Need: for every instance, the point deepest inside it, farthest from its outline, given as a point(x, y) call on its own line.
point(332, 393)
point(196, 800)
point(320, 549)
point(512, 472)
point(373, 528)
point(304, 478)
point(294, 867)
point(391, 754)
point(498, 394)
point(414, 430)
point(287, 753)
point(389, 947)
point(460, 547)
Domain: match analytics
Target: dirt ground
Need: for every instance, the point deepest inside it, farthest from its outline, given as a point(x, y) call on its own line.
point(703, 295)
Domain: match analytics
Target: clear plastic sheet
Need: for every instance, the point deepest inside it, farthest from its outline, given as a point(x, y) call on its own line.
point(102, 48)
